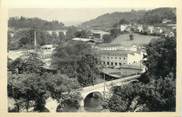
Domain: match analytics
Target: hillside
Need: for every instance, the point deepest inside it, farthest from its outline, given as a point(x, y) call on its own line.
point(22, 22)
point(156, 16)
point(106, 21)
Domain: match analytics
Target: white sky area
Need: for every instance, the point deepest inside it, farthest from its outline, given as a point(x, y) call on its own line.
point(69, 16)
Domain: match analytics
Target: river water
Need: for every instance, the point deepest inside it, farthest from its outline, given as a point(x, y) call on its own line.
point(92, 104)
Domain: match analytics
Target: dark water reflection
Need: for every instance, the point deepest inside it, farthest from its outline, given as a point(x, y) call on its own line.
point(93, 103)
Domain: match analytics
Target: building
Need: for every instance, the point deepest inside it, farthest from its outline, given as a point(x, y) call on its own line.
point(140, 28)
point(82, 39)
point(99, 34)
point(45, 53)
point(56, 32)
point(165, 21)
point(158, 30)
point(151, 29)
point(123, 27)
point(116, 47)
point(118, 58)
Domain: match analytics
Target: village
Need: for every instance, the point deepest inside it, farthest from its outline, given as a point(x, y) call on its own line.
point(58, 68)
point(111, 55)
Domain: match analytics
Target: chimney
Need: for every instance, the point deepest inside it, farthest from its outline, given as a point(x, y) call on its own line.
point(35, 40)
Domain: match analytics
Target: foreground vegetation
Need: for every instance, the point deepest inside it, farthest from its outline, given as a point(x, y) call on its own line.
point(156, 90)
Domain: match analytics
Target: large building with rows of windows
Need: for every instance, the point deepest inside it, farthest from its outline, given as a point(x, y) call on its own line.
point(118, 58)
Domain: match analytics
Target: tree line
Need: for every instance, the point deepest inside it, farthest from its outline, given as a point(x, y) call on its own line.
point(156, 89)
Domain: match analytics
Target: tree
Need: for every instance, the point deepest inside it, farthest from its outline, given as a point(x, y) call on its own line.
point(27, 87)
point(161, 58)
point(30, 64)
point(81, 34)
point(66, 56)
point(35, 87)
point(87, 70)
point(26, 38)
point(71, 33)
point(75, 59)
point(62, 37)
point(107, 38)
point(114, 33)
point(158, 92)
point(123, 21)
point(156, 96)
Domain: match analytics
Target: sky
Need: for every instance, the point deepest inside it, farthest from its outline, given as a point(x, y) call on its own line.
point(69, 16)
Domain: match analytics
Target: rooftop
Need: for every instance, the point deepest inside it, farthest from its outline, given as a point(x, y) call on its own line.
point(99, 32)
point(114, 52)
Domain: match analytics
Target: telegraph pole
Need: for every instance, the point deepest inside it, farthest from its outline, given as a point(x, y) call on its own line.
point(104, 86)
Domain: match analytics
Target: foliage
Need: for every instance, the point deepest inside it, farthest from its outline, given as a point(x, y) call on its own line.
point(30, 64)
point(158, 95)
point(67, 55)
point(107, 38)
point(71, 33)
point(59, 84)
point(156, 16)
point(159, 91)
point(106, 21)
point(71, 100)
point(29, 87)
point(38, 87)
point(87, 70)
point(114, 33)
point(36, 23)
point(81, 34)
point(75, 59)
point(24, 39)
point(161, 58)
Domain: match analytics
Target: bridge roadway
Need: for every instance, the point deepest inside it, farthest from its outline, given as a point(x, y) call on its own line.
point(51, 104)
point(109, 83)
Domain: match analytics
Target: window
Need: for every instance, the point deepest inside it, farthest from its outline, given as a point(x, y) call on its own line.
point(116, 63)
point(111, 63)
point(107, 63)
point(115, 57)
point(120, 63)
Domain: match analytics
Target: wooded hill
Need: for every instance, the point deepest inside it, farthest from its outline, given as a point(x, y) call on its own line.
point(153, 16)
point(36, 23)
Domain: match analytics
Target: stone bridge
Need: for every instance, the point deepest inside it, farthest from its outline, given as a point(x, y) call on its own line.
point(102, 88)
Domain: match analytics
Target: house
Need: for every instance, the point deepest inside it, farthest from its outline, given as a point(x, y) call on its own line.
point(151, 29)
point(158, 30)
point(140, 28)
point(172, 26)
point(123, 27)
point(165, 21)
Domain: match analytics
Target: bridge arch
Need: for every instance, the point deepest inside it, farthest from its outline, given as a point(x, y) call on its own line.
point(92, 100)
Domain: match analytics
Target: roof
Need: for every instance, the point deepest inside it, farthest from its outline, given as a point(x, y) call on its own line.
point(99, 32)
point(82, 39)
point(114, 45)
point(114, 52)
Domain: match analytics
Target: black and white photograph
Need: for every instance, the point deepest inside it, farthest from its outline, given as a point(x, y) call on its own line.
point(91, 60)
